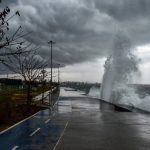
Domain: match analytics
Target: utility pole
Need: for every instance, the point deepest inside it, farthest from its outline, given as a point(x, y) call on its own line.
point(58, 74)
point(43, 72)
point(51, 45)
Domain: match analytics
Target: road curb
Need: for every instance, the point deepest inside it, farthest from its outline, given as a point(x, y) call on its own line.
point(28, 118)
point(18, 123)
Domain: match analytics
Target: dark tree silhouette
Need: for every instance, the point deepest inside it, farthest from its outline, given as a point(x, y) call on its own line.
point(8, 39)
point(28, 66)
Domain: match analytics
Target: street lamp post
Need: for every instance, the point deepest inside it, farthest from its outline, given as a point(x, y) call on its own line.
point(51, 45)
point(58, 74)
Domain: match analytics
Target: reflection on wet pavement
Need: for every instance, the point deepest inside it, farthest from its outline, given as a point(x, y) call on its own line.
point(93, 124)
point(79, 122)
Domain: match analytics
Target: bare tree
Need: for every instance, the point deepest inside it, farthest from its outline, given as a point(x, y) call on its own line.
point(29, 66)
point(9, 39)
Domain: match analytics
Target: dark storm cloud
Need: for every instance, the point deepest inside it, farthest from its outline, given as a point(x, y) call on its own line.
point(5, 3)
point(124, 9)
point(83, 29)
point(131, 15)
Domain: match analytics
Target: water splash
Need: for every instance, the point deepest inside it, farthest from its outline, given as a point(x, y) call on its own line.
point(94, 92)
point(120, 67)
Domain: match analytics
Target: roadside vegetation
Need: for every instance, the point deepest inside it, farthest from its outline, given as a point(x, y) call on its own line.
point(18, 56)
point(13, 106)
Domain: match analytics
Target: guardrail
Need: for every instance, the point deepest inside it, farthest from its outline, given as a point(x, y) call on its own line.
point(40, 96)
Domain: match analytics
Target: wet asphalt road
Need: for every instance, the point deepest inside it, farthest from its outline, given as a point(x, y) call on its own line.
point(80, 123)
point(94, 125)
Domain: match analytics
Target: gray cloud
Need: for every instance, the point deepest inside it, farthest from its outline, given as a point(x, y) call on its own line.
point(83, 30)
point(124, 9)
point(5, 3)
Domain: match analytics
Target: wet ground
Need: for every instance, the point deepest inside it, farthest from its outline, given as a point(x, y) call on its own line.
point(80, 123)
point(94, 125)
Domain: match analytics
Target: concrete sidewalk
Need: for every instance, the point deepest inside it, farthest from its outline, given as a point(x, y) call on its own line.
point(94, 125)
point(79, 123)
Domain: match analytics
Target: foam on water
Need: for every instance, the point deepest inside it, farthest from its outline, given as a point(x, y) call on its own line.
point(120, 68)
point(94, 92)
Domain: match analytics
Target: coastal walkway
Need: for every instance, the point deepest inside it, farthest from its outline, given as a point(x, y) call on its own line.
point(78, 122)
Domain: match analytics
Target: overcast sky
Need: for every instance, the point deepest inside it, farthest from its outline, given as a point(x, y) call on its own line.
point(84, 31)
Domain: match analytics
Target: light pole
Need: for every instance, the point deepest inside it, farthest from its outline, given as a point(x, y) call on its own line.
point(43, 72)
point(51, 45)
point(58, 74)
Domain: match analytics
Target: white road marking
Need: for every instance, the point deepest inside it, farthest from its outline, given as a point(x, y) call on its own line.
point(47, 121)
point(61, 136)
point(18, 123)
point(35, 132)
point(15, 147)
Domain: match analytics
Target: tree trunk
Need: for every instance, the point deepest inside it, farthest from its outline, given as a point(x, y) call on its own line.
point(43, 94)
point(43, 98)
point(29, 98)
